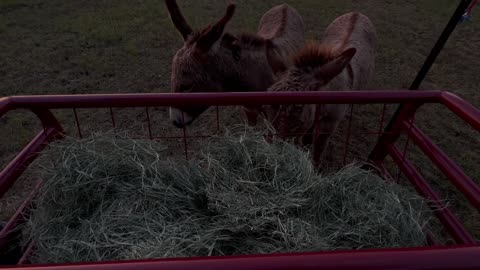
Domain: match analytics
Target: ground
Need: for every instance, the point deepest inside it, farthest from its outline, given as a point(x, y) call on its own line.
point(87, 46)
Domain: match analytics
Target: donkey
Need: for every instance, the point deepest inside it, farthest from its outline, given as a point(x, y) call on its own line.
point(343, 61)
point(213, 61)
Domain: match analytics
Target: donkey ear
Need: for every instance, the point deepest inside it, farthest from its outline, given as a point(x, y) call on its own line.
point(334, 67)
point(178, 19)
point(214, 32)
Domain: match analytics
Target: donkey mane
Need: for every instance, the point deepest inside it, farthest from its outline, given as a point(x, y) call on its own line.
point(314, 55)
point(252, 40)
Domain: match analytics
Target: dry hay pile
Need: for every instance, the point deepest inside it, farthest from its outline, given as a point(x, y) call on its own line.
point(109, 197)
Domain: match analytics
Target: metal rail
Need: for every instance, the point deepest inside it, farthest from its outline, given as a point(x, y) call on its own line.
point(460, 257)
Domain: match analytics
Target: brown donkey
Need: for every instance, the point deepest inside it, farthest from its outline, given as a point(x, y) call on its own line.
point(214, 61)
point(343, 61)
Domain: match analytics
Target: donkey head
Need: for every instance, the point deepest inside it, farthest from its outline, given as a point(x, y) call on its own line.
point(197, 66)
point(317, 65)
point(315, 68)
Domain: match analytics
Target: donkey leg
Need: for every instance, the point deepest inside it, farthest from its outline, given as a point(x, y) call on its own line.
point(322, 132)
point(307, 138)
point(251, 114)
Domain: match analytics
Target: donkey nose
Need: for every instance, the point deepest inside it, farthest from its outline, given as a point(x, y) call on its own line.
point(178, 124)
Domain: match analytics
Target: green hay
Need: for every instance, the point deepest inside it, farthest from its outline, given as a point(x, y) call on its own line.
point(108, 197)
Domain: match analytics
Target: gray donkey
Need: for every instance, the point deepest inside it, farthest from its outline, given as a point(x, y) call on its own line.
point(213, 61)
point(343, 61)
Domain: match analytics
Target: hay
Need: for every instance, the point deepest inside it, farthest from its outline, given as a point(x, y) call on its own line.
point(109, 197)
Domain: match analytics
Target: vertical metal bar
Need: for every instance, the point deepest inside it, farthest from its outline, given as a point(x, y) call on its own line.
point(113, 118)
point(218, 119)
point(44, 129)
point(455, 19)
point(44, 124)
point(432, 240)
point(48, 119)
point(347, 140)
point(149, 124)
point(382, 122)
point(185, 144)
point(380, 167)
point(77, 123)
point(399, 172)
point(407, 142)
point(410, 125)
point(367, 165)
point(393, 131)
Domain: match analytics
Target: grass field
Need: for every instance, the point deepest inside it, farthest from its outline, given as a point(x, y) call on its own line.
point(119, 46)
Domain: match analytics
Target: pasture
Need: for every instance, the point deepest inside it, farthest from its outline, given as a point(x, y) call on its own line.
point(120, 46)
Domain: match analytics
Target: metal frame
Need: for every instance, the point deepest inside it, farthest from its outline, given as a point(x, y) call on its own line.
point(462, 256)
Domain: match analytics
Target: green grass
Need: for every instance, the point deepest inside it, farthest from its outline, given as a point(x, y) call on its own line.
point(73, 47)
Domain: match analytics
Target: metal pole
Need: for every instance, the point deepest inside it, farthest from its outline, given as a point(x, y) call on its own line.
point(454, 20)
point(461, 9)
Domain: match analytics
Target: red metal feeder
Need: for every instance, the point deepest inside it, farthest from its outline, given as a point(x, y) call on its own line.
point(387, 154)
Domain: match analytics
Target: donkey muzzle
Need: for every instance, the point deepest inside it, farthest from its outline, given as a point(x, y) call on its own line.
point(179, 118)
